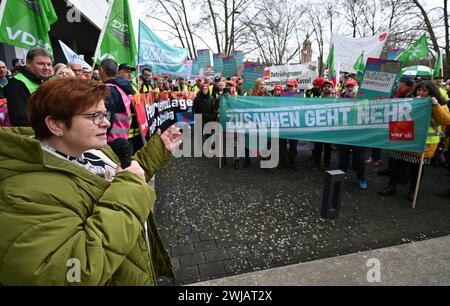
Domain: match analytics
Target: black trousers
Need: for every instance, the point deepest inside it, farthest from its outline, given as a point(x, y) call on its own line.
point(398, 168)
point(320, 147)
point(358, 159)
point(288, 157)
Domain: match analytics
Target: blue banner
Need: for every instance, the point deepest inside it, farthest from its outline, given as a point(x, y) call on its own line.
point(157, 53)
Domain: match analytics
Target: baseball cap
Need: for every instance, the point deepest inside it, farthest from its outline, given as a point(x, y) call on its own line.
point(351, 82)
point(126, 67)
point(290, 83)
point(326, 81)
point(278, 87)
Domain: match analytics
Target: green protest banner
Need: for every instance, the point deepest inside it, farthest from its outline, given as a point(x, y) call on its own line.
point(393, 124)
point(117, 39)
point(26, 24)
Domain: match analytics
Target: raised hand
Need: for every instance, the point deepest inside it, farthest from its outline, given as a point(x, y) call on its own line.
point(171, 137)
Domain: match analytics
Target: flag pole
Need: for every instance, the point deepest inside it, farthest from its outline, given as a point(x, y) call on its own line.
point(416, 193)
point(138, 68)
point(102, 34)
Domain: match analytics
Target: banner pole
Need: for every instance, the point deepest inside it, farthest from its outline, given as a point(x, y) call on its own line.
point(432, 73)
point(422, 161)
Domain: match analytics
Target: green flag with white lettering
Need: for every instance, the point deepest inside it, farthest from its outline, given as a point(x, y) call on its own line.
point(26, 23)
point(117, 39)
point(418, 50)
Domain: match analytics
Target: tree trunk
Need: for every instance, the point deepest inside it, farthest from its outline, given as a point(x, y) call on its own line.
point(429, 26)
point(225, 16)
point(174, 23)
point(194, 52)
point(216, 31)
point(447, 40)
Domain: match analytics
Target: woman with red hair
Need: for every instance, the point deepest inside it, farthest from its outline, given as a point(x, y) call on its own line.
point(69, 214)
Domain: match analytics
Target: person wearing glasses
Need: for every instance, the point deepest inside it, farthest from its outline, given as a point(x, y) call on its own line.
point(69, 215)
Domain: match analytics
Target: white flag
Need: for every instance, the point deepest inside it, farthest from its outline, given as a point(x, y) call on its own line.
point(71, 56)
point(348, 49)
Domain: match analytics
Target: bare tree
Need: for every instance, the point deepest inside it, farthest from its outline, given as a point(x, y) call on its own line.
point(353, 12)
point(273, 29)
point(447, 37)
point(316, 15)
point(428, 24)
point(224, 18)
point(178, 23)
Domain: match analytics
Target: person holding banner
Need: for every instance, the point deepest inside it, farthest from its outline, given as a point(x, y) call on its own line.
point(259, 90)
point(319, 147)
point(440, 117)
point(181, 86)
point(69, 213)
point(205, 105)
point(316, 91)
point(404, 86)
point(351, 92)
point(288, 156)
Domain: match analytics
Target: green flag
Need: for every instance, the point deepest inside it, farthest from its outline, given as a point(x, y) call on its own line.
point(360, 64)
point(330, 63)
point(416, 51)
point(26, 23)
point(438, 67)
point(117, 39)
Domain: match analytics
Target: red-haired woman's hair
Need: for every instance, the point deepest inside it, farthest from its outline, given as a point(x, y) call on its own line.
point(61, 99)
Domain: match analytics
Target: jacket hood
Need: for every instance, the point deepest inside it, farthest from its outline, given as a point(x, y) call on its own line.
point(19, 152)
point(124, 84)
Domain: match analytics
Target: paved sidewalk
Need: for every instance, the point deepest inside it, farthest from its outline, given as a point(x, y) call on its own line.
point(224, 222)
point(425, 263)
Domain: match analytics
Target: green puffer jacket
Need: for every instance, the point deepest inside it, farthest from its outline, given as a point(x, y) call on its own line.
point(52, 210)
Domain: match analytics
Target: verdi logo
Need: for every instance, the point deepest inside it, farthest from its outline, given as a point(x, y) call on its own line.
point(120, 29)
point(33, 5)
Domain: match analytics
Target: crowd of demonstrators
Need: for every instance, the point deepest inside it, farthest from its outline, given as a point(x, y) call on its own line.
point(123, 122)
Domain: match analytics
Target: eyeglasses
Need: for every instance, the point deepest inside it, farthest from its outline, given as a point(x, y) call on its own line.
point(98, 117)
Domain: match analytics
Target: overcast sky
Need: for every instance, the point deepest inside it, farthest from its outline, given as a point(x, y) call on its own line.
point(139, 13)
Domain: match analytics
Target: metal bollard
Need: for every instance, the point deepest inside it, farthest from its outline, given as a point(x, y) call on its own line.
point(332, 196)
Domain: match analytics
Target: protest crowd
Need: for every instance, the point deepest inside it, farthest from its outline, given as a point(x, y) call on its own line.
point(24, 80)
point(57, 120)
